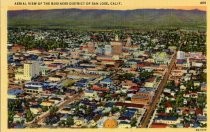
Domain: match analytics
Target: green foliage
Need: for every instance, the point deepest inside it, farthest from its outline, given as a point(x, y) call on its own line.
point(126, 76)
point(53, 110)
point(29, 116)
point(44, 108)
point(133, 122)
point(114, 109)
point(69, 121)
point(144, 74)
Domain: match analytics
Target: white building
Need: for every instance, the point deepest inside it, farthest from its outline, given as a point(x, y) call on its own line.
point(108, 50)
point(30, 70)
point(180, 55)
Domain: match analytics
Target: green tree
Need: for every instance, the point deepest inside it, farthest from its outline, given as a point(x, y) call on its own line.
point(133, 122)
point(53, 110)
point(29, 116)
point(69, 121)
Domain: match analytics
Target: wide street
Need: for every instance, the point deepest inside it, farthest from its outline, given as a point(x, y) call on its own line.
point(157, 95)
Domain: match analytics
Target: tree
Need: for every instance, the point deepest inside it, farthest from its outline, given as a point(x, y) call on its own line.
point(69, 121)
point(145, 74)
point(133, 122)
point(126, 76)
point(29, 116)
point(53, 110)
point(10, 116)
point(44, 108)
point(62, 123)
point(114, 109)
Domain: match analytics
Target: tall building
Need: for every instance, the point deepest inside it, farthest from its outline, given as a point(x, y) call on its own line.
point(91, 47)
point(128, 43)
point(180, 55)
point(108, 50)
point(116, 46)
point(31, 69)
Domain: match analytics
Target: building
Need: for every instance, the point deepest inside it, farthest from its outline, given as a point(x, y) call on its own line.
point(18, 48)
point(13, 93)
point(128, 43)
point(180, 57)
point(91, 47)
point(108, 50)
point(143, 96)
point(30, 70)
point(116, 48)
point(106, 82)
point(110, 123)
point(90, 94)
point(124, 124)
point(55, 78)
point(167, 120)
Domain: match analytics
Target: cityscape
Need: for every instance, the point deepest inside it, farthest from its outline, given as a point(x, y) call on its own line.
point(115, 78)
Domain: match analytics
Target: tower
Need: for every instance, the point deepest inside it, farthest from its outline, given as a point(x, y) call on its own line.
point(108, 50)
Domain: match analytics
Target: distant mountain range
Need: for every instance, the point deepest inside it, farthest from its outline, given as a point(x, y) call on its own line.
point(140, 18)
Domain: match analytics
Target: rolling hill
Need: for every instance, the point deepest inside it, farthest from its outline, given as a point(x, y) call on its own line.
point(134, 19)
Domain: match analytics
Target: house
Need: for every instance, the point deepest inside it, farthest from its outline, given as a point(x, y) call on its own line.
point(55, 78)
point(143, 96)
point(33, 90)
point(150, 83)
point(19, 117)
point(167, 120)
point(106, 82)
point(90, 94)
point(124, 124)
point(65, 117)
point(18, 48)
point(98, 88)
point(168, 107)
point(158, 125)
point(56, 100)
point(66, 110)
point(196, 84)
point(202, 119)
point(128, 84)
point(203, 87)
point(182, 87)
point(47, 103)
point(13, 93)
point(82, 83)
point(35, 109)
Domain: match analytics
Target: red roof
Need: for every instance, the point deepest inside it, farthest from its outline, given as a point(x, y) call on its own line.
point(129, 105)
point(198, 111)
point(97, 88)
point(168, 104)
point(134, 88)
point(158, 125)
